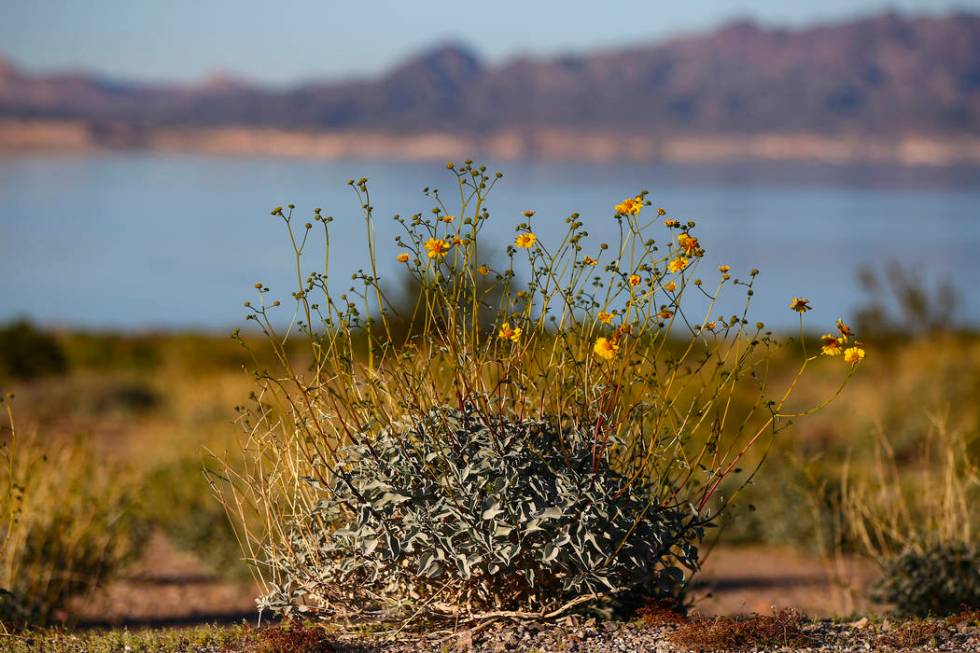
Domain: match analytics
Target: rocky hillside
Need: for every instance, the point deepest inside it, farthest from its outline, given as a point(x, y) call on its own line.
point(879, 76)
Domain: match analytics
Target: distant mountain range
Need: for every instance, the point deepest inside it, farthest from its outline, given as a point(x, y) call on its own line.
point(885, 82)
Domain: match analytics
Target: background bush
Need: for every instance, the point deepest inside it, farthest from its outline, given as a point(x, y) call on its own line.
point(27, 353)
point(940, 578)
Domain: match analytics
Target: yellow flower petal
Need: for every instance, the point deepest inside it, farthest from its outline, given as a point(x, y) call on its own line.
point(605, 348)
point(526, 240)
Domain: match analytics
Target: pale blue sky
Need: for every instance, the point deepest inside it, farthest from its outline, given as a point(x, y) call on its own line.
point(288, 40)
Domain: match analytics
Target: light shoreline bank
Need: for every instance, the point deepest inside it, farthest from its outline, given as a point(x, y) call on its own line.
point(551, 144)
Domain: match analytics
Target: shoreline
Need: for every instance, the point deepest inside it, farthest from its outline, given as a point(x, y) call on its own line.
point(39, 136)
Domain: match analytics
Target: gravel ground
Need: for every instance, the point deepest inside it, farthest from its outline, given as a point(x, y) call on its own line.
point(618, 637)
point(786, 631)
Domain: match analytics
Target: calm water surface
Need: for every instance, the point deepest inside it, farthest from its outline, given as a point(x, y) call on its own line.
point(140, 241)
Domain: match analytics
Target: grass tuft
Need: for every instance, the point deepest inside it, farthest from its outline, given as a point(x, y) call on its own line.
point(292, 637)
point(784, 629)
point(912, 634)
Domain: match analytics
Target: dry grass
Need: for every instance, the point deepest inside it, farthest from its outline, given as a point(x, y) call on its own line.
point(743, 633)
point(658, 614)
point(67, 520)
point(911, 634)
point(968, 617)
point(292, 637)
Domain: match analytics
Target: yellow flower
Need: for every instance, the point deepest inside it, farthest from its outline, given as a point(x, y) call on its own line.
point(447, 218)
point(605, 348)
point(800, 304)
point(588, 260)
point(457, 240)
point(526, 241)
point(688, 243)
point(710, 326)
point(678, 264)
point(635, 280)
point(670, 222)
point(605, 317)
point(483, 270)
point(670, 286)
point(630, 206)
point(402, 258)
point(844, 330)
point(436, 247)
point(509, 333)
point(831, 345)
point(853, 355)
point(665, 314)
point(724, 269)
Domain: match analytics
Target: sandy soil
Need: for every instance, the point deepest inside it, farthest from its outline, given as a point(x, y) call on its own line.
point(167, 587)
point(765, 579)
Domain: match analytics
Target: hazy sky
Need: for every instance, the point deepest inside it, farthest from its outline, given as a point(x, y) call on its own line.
point(286, 40)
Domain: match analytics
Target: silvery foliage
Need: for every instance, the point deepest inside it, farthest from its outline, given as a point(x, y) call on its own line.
point(457, 511)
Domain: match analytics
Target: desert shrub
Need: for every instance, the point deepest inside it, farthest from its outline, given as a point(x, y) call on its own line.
point(599, 372)
point(919, 523)
point(513, 513)
point(68, 520)
point(26, 353)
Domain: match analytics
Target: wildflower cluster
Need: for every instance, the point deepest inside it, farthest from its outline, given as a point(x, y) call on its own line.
point(834, 344)
point(598, 341)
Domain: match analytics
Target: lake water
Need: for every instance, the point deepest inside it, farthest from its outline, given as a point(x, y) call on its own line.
point(140, 241)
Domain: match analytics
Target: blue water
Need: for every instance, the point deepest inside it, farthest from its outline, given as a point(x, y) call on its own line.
point(138, 241)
